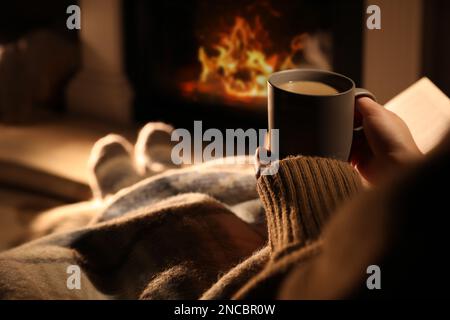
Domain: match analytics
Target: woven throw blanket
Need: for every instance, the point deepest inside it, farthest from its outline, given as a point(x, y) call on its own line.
point(169, 236)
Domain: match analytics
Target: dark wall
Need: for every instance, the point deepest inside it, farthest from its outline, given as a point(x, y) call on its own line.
point(436, 49)
point(18, 17)
point(156, 46)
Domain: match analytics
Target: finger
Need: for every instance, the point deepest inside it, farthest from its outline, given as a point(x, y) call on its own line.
point(363, 160)
point(367, 107)
point(360, 150)
point(257, 164)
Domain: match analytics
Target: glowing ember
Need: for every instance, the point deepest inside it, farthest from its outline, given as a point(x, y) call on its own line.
point(237, 67)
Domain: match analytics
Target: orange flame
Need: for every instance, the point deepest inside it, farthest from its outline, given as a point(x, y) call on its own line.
point(238, 65)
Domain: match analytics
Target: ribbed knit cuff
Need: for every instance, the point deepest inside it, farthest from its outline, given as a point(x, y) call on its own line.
point(300, 197)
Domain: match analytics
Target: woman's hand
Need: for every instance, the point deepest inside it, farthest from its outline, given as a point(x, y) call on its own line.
point(386, 144)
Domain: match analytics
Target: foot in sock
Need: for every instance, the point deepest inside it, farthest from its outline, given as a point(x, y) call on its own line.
point(153, 149)
point(111, 166)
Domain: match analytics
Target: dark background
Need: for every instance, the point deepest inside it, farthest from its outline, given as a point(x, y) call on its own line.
point(161, 37)
point(149, 22)
point(436, 46)
point(18, 17)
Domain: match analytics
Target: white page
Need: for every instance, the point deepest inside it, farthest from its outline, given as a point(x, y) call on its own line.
point(426, 111)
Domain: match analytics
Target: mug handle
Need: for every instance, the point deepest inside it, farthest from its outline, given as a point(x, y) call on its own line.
point(359, 93)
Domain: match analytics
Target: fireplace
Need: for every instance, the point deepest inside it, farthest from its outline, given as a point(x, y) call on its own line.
point(209, 60)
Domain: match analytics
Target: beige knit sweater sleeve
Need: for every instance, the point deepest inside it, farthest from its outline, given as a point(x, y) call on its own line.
point(298, 201)
point(299, 198)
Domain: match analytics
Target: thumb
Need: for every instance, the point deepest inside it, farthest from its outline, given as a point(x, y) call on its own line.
point(367, 107)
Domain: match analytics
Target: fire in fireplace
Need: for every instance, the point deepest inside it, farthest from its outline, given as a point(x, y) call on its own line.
point(235, 68)
point(210, 60)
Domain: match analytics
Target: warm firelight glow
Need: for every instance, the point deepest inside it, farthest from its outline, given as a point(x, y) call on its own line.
point(237, 67)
